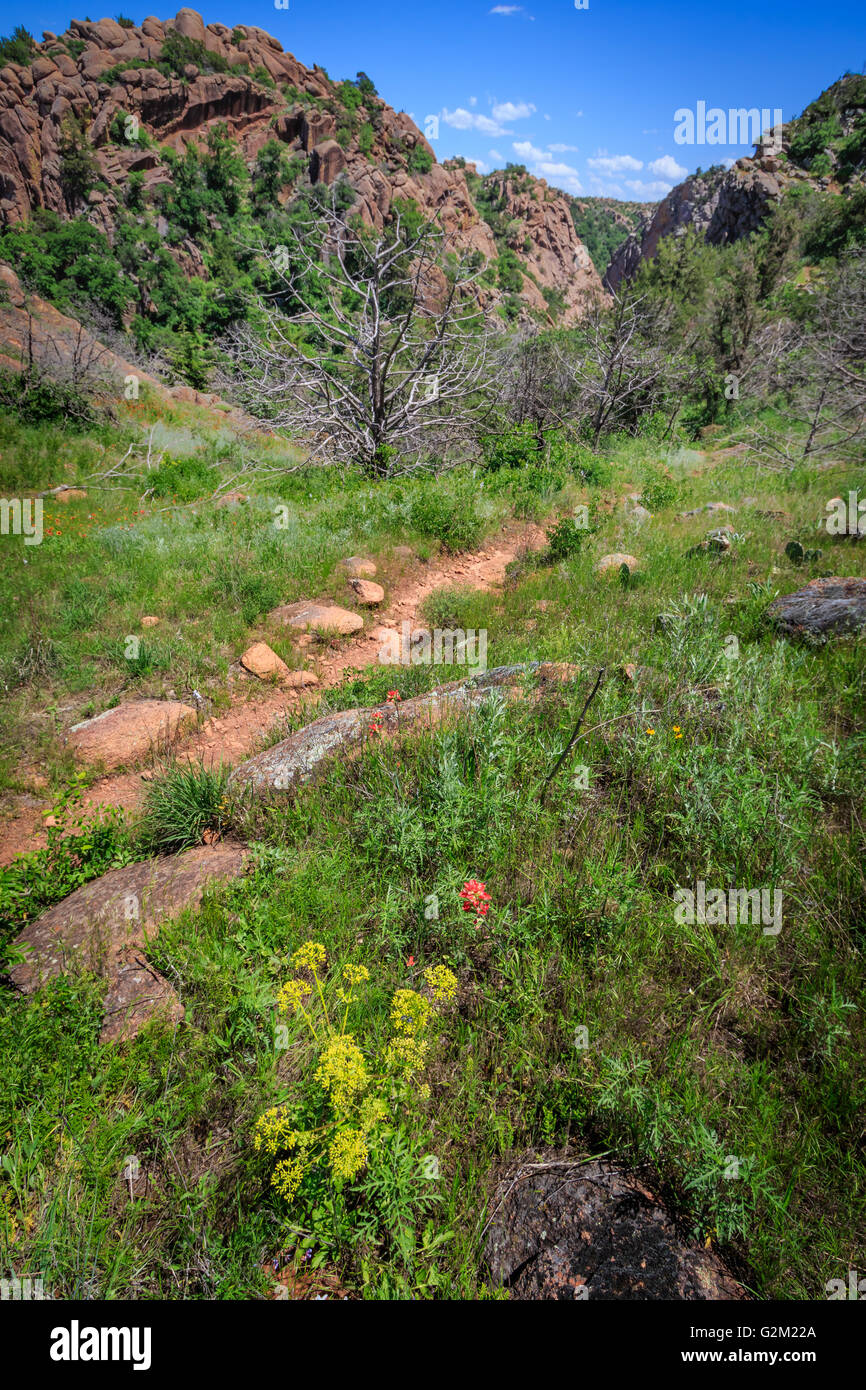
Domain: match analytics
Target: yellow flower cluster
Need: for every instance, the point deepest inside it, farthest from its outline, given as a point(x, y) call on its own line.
point(292, 995)
point(410, 1011)
point(442, 982)
point(407, 1053)
point(348, 1153)
point(352, 975)
point(310, 956)
point(342, 1070)
point(274, 1132)
point(286, 1177)
point(373, 1112)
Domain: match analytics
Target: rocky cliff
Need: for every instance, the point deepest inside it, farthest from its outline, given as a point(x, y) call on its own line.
point(825, 148)
point(173, 81)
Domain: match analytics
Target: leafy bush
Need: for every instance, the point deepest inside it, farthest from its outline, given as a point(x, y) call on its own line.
point(511, 449)
point(658, 489)
point(36, 398)
point(420, 160)
point(451, 519)
point(181, 805)
point(18, 48)
point(565, 539)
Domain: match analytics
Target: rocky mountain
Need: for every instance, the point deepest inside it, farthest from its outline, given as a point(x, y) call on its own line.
point(83, 111)
point(824, 148)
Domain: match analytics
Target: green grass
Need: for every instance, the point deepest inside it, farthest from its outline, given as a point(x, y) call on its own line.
point(703, 1043)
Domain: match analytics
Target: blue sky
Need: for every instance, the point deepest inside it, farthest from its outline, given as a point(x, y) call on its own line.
point(584, 97)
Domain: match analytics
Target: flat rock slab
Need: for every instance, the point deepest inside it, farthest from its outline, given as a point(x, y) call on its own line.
point(317, 617)
point(302, 756)
point(823, 608)
point(99, 925)
point(592, 1231)
point(129, 732)
point(136, 994)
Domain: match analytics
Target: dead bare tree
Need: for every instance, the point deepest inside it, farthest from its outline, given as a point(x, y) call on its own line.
point(817, 371)
point(372, 348)
point(622, 367)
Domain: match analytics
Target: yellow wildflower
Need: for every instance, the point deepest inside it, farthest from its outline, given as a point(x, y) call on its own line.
point(274, 1132)
point(286, 1177)
point(342, 1070)
point(410, 1011)
point(310, 956)
point(407, 1054)
point(348, 1153)
point(292, 995)
point(650, 731)
point(442, 982)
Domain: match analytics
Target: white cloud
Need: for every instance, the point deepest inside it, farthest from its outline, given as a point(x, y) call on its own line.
point(649, 132)
point(528, 152)
point(473, 101)
point(648, 191)
point(563, 149)
point(506, 9)
point(480, 164)
point(578, 113)
point(513, 110)
point(546, 117)
point(615, 163)
point(667, 168)
point(461, 119)
point(496, 156)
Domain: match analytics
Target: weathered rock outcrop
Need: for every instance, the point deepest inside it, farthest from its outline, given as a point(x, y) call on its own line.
point(98, 74)
point(823, 608)
point(304, 755)
point(722, 205)
point(592, 1231)
point(541, 233)
point(104, 927)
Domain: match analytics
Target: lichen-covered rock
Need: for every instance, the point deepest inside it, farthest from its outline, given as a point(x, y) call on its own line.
point(592, 1231)
point(304, 755)
point(105, 925)
point(823, 608)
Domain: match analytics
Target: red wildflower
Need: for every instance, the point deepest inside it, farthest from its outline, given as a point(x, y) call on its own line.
point(375, 725)
point(475, 897)
point(393, 695)
point(411, 960)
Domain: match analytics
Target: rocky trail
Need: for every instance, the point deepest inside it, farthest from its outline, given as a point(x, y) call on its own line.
point(256, 706)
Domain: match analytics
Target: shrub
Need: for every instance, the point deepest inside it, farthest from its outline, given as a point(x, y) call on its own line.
point(658, 489)
point(420, 160)
point(18, 47)
point(451, 519)
point(565, 539)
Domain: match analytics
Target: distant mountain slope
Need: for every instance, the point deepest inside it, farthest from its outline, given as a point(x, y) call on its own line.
point(824, 148)
point(601, 224)
point(84, 111)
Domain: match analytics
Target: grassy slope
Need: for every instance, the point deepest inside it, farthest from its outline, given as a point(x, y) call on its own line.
point(703, 1042)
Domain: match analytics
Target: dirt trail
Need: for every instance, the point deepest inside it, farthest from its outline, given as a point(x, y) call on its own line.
point(230, 737)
